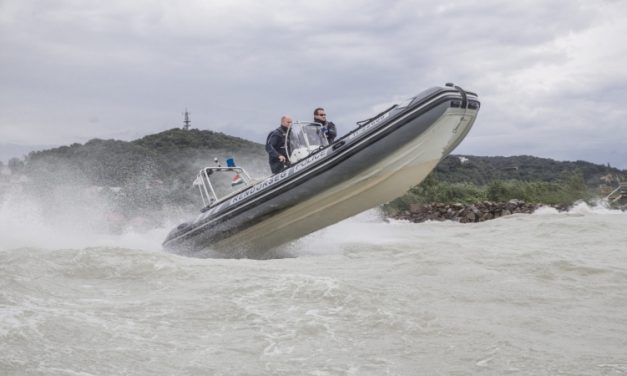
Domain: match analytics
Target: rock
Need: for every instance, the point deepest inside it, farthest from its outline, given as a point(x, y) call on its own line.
point(468, 213)
point(485, 217)
point(471, 217)
point(415, 208)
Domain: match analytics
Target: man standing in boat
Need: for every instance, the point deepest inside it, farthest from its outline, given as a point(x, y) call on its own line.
point(320, 116)
point(275, 146)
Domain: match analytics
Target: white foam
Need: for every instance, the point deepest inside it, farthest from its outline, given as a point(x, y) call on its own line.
point(582, 208)
point(25, 223)
point(545, 210)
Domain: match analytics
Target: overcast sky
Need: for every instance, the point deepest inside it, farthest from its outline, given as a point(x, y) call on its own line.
point(551, 75)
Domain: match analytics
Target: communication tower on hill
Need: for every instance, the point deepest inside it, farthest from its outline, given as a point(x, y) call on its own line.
point(186, 121)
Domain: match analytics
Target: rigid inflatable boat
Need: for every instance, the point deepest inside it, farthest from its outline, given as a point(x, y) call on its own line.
point(376, 162)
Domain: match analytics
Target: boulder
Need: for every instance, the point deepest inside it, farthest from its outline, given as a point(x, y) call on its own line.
point(470, 217)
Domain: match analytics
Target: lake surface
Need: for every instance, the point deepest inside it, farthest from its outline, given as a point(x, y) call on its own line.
point(541, 294)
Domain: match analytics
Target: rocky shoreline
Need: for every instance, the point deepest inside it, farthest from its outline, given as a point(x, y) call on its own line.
point(469, 213)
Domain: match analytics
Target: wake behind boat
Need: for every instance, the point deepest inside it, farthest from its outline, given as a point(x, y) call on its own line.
point(373, 164)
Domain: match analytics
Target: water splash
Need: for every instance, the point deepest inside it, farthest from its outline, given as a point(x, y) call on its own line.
point(26, 222)
point(580, 209)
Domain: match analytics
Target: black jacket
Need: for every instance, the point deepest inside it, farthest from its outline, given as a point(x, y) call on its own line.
point(275, 146)
point(331, 131)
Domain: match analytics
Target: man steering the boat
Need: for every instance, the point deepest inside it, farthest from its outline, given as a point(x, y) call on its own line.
point(328, 128)
point(275, 146)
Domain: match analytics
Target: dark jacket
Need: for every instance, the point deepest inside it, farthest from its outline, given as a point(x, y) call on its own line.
point(275, 146)
point(331, 132)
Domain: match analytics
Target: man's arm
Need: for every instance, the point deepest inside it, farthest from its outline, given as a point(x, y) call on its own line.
point(273, 139)
point(332, 132)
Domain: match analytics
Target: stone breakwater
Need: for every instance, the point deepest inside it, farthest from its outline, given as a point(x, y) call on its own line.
point(469, 213)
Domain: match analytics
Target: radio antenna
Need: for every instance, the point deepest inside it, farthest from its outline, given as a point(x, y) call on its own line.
point(186, 122)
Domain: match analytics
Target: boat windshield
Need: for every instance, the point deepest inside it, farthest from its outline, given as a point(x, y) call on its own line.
point(303, 139)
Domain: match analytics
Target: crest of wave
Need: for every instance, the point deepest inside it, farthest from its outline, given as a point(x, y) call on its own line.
point(582, 209)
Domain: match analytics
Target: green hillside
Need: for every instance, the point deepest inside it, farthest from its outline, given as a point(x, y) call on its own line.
point(144, 175)
point(471, 179)
point(483, 170)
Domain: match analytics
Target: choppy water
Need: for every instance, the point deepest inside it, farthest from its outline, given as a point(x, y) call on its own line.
point(542, 294)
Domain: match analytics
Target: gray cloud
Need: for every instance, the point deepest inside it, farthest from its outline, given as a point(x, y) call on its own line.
point(550, 74)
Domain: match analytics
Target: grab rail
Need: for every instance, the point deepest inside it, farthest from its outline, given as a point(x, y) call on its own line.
point(361, 123)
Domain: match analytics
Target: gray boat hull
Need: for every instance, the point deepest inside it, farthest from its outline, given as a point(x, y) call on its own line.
point(370, 166)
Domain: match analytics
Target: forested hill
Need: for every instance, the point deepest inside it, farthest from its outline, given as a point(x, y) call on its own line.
point(484, 170)
point(171, 156)
point(133, 178)
point(177, 139)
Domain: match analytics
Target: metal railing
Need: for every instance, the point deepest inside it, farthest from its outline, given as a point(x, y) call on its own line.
point(618, 193)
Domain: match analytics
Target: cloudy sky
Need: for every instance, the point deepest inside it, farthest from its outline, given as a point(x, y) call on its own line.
point(551, 75)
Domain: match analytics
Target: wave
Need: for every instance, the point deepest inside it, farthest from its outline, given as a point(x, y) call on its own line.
point(581, 209)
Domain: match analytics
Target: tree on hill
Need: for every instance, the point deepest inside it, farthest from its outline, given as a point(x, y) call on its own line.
point(176, 139)
point(483, 170)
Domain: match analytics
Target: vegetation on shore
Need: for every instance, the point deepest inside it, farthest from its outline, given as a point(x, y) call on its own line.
point(469, 180)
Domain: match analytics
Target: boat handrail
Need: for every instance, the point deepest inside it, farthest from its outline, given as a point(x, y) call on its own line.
point(207, 191)
point(617, 194)
point(361, 123)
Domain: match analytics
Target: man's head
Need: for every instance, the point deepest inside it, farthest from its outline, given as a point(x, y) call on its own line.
point(286, 121)
point(320, 115)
